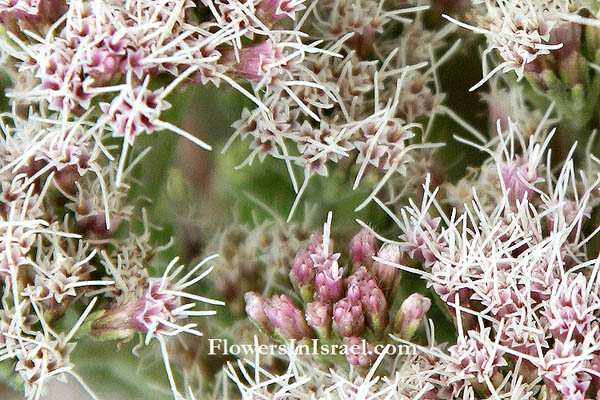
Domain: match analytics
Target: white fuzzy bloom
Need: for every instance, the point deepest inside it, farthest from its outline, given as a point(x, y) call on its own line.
point(497, 262)
point(520, 32)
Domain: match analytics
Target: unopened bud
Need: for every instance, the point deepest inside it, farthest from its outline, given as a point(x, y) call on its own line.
point(362, 286)
point(388, 276)
point(360, 352)
point(318, 317)
point(410, 315)
point(363, 247)
point(303, 274)
point(287, 319)
point(329, 284)
point(113, 323)
point(348, 318)
point(255, 309)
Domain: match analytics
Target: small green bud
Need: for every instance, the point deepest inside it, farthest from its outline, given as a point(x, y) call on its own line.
point(113, 323)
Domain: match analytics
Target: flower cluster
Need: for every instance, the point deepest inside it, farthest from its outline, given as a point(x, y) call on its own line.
point(359, 103)
point(549, 43)
point(513, 273)
point(338, 306)
point(82, 73)
point(496, 241)
point(103, 60)
point(64, 225)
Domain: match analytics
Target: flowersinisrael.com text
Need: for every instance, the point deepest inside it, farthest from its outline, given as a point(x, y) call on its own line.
point(306, 347)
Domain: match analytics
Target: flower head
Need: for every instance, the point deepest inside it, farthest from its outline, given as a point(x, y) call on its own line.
point(157, 312)
point(135, 112)
point(570, 308)
point(363, 247)
point(255, 309)
point(411, 313)
point(348, 317)
point(318, 317)
point(287, 318)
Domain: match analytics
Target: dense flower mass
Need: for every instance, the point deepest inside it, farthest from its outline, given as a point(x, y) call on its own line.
point(463, 262)
point(341, 307)
point(510, 270)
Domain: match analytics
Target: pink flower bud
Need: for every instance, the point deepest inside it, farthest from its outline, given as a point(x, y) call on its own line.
point(363, 247)
point(328, 282)
point(255, 309)
point(410, 315)
point(362, 286)
point(287, 318)
point(303, 268)
point(302, 274)
point(360, 352)
point(387, 275)
point(315, 244)
point(353, 293)
point(518, 180)
point(375, 307)
point(359, 277)
point(318, 317)
point(114, 323)
point(259, 60)
point(348, 318)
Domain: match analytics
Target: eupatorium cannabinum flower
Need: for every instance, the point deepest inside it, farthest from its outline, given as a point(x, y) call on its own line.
point(156, 314)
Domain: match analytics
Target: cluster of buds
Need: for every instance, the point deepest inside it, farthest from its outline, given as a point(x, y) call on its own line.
point(350, 305)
